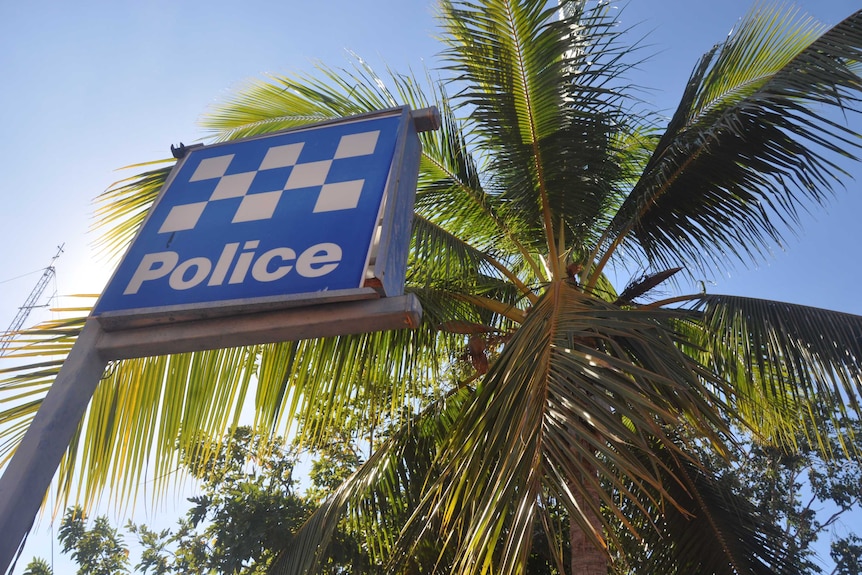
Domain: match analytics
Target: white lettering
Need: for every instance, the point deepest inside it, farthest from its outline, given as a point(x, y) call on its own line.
point(243, 263)
point(272, 265)
point(223, 264)
point(325, 256)
point(152, 266)
point(202, 269)
point(261, 272)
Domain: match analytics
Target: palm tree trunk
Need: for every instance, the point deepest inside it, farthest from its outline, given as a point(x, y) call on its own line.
point(587, 558)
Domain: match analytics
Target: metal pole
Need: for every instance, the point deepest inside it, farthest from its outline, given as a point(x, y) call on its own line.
point(28, 475)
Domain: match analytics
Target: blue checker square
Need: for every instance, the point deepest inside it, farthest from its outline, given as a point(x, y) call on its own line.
point(290, 213)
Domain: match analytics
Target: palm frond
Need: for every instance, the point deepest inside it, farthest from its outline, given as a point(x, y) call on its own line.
point(141, 412)
point(540, 108)
point(146, 411)
point(440, 258)
point(284, 102)
point(541, 419)
point(782, 359)
point(643, 285)
point(452, 196)
point(33, 358)
point(714, 530)
point(377, 498)
point(121, 209)
point(750, 144)
point(311, 382)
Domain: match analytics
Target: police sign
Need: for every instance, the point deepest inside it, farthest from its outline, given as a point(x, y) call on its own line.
point(286, 219)
point(310, 216)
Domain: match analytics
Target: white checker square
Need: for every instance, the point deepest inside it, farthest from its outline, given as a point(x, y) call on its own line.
point(257, 207)
point(183, 217)
point(233, 186)
point(281, 156)
point(308, 175)
point(357, 145)
point(211, 168)
point(339, 196)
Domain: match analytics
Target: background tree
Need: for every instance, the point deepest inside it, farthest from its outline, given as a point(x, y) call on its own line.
point(247, 506)
point(803, 495)
point(790, 489)
point(847, 554)
point(588, 404)
point(38, 567)
point(98, 550)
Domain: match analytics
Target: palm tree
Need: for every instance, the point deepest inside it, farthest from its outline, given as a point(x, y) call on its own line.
point(579, 409)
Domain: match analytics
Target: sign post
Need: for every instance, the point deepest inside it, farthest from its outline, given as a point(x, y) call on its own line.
point(294, 235)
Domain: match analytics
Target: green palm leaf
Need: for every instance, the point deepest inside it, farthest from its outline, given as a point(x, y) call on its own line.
point(714, 529)
point(540, 420)
point(23, 386)
point(783, 359)
point(449, 176)
point(121, 209)
point(750, 143)
point(384, 490)
point(488, 457)
point(543, 110)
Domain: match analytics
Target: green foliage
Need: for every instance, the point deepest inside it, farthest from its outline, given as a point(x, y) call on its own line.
point(808, 493)
point(247, 506)
point(155, 558)
point(248, 509)
point(798, 498)
point(98, 550)
point(334, 463)
point(38, 566)
point(847, 554)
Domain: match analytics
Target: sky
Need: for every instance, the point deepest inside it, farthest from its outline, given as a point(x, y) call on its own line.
point(94, 85)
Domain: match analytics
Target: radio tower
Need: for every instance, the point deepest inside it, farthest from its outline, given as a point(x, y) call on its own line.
point(28, 306)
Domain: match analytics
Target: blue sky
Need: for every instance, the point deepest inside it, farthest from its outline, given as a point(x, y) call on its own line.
point(91, 86)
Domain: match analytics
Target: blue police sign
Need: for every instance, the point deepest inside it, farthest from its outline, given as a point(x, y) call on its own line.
point(282, 218)
point(299, 217)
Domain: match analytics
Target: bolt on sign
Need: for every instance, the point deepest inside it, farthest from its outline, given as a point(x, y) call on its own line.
point(310, 215)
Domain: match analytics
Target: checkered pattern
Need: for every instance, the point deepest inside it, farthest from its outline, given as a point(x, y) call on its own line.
point(261, 205)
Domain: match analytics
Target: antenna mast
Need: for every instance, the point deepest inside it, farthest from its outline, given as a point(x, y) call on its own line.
point(28, 306)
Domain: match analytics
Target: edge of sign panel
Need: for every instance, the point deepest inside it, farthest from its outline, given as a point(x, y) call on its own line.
point(385, 265)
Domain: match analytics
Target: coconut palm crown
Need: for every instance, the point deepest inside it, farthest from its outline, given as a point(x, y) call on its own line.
point(578, 407)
